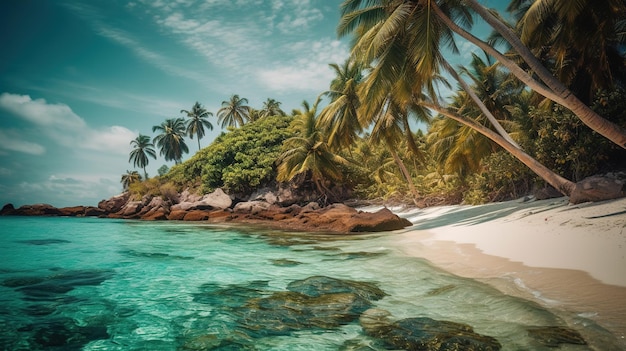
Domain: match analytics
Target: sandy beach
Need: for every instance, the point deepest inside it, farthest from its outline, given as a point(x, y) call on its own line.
point(570, 257)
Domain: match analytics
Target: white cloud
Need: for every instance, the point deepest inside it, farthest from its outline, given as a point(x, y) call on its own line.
point(40, 112)
point(61, 124)
point(13, 141)
point(309, 71)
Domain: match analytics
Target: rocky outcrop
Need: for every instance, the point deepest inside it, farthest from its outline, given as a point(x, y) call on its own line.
point(49, 210)
point(217, 207)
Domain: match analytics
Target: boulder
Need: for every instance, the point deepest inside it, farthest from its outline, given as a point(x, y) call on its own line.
point(215, 200)
point(187, 196)
point(251, 207)
point(115, 203)
point(73, 211)
point(597, 188)
point(7, 210)
point(131, 208)
point(425, 333)
point(176, 215)
point(196, 215)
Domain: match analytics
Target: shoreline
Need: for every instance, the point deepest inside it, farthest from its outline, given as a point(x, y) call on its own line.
point(569, 257)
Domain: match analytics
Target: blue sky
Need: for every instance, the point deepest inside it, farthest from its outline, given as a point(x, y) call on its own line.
point(80, 79)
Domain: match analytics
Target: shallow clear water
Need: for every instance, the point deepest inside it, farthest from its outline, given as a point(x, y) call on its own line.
point(98, 284)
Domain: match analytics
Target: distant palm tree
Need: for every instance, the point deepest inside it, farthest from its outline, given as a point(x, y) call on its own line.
point(129, 178)
point(233, 112)
point(142, 148)
point(171, 140)
point(271, 107)
point(308, 153)
point(198, 120)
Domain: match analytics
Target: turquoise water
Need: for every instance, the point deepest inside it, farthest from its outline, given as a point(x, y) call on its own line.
point(98, 284)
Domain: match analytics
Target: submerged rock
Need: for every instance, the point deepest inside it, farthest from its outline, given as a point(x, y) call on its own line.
point(316, 286)
point(555, 336)
point(425, 334)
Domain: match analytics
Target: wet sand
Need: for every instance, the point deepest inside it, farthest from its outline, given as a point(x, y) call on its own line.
point(571, 258)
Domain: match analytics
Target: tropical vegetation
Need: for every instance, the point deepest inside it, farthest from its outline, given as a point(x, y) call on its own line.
point(540, 103)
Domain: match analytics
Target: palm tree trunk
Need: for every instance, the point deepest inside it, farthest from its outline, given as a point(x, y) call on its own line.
point(145, 174)
point(480, 104)
point(198, 143)
point(561, 184)
point(555, 90)
point(405, 172)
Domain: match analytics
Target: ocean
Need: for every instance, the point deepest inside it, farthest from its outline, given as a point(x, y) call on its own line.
point(102, 284)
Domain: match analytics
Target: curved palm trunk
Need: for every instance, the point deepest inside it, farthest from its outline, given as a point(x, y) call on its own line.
point(145, 174)
point(480, 105)
point(561, 184)
point(555, 90)
point(405, 172)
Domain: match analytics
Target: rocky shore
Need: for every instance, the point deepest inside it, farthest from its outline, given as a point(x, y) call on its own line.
point(265, 208)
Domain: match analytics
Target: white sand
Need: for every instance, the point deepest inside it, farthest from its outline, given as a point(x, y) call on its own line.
point(569, 256)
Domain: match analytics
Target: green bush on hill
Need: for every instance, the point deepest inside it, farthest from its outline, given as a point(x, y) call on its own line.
point(239, 161)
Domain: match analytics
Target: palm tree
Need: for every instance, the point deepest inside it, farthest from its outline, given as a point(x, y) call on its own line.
point(198, 121)
point(403, 39)
point(233, 112)
point(142, 148)
point(171, 140)
point(129, 178)
point(339, 119)
point(548, 85)
point(308, 153)
point(579, 39)
point(271, 107)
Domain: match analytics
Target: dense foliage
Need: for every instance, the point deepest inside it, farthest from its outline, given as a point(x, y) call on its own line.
point(238, 161)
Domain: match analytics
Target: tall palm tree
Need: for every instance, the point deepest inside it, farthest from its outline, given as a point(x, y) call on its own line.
point(271, 107)
point(142, 148)
point(308, 153)
point(548, 85)
point(171, 140)
point(407, 63)
point(580, 40)
point(339, 118)
point(198, 121)
point(129, 178)
point(234, 112)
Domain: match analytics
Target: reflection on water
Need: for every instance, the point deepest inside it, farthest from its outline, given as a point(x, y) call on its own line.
point(93, 284)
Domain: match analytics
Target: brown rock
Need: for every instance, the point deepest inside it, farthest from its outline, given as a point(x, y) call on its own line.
point(597, 188)
point(73, 211)
point(196, 215)
point(37, 210)
point(7, 210)
point(115, 203)
point(176, 215)
point(156, 214)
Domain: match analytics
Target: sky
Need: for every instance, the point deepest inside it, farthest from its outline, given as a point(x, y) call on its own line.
point(80, 79)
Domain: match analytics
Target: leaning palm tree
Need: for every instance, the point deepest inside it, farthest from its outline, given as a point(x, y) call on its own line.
point(308, 153)
point(198, 121)
point(171, 140)
point(581, 40)
point(271, 107)
point(234, 112)
point(142, 148)
point(546, 85)
point(401, 40)
point(129, 178)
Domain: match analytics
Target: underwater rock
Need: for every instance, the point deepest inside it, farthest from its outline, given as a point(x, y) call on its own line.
point(52, 288)
point(555, 336)
point(425, 334)
point(284, 312)
point(62, 334)
point(319, 285)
